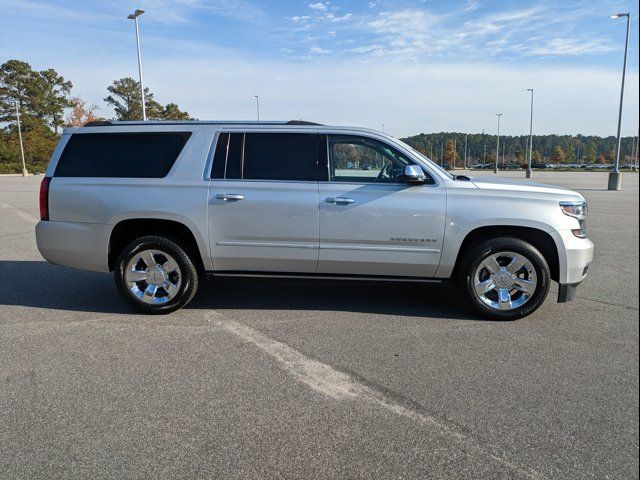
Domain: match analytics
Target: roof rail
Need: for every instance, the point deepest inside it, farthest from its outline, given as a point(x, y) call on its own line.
point(107, 123)
point(302, 122)
point(98, 123)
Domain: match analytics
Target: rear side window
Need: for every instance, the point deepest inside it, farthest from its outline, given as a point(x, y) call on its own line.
point(266, 156)
point(130, 155)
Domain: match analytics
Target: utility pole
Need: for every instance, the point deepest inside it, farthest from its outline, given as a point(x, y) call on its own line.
point(455, 149)
point(24, 166)
point(615, 179)
point(257, 106)
point(466, 137)
point(634, 152)
point(504, 151)
point(529, 171)
point(134, 16)
point(495, 168)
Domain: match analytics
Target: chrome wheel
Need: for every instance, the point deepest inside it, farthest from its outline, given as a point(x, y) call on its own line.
point(153, 277)
point(505, 280)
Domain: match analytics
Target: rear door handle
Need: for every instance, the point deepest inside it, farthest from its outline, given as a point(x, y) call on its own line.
point(234, 197)
point(340, 200)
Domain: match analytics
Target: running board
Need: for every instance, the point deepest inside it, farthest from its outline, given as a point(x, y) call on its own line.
point(307, 276)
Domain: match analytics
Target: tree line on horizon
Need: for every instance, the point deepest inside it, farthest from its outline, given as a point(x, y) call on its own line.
point(448, 148)
point(46, 104)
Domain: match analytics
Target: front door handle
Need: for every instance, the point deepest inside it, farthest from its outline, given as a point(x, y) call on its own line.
point(340, 200)
point(233, 197)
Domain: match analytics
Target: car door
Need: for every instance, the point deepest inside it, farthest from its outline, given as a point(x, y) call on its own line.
point(371, 223)
point(263, 202)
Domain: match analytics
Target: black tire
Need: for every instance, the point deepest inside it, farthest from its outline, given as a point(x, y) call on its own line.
point(188, 274)
point(474, 256)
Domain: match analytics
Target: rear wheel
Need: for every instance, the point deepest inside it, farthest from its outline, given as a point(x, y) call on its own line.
point(155, 275)
point(505, 278)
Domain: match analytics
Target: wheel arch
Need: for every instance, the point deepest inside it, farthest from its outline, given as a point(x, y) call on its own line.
point(541, 240)
point(129, 229)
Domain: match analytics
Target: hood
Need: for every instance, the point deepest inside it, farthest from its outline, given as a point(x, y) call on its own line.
point(515, 185)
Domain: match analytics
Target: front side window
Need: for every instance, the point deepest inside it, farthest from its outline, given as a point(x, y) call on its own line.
point(266, 156)
point(364, 160)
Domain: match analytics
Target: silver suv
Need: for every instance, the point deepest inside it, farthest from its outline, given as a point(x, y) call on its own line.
point(161, 204)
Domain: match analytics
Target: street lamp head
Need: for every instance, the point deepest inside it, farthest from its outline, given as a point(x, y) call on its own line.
point(618, 15)
point(136, 14)
point(529, 89)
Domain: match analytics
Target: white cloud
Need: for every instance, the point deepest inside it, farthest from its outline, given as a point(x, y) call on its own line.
point(319, 51)
point(568, 46)
point(299, 18)
point(318, 6)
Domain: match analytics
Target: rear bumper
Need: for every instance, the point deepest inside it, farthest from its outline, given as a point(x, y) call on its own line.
point(77, 245)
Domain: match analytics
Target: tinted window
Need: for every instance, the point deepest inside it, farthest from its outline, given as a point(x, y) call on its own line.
point(220, 157)
point(133, 155)
point(234, 157)
point(280, 156)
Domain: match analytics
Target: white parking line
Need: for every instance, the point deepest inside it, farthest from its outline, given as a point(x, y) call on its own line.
point(340, 386)
point(20, 213)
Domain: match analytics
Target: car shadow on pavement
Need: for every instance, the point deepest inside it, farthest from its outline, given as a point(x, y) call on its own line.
point(387, 298)
point(40, 284)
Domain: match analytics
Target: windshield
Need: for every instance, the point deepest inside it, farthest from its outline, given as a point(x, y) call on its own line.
point(429, 161)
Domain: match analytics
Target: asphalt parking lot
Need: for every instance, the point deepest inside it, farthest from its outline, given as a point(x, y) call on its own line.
point(269, 379)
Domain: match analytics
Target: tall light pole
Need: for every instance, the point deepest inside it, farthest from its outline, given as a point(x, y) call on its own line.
point(257, 106)
point(24, 166)
point(495, 167)
point(134, 16)
point(615, 179)
point(466, 137)
point(529, 171)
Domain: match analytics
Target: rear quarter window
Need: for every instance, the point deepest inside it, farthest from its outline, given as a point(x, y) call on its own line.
point(129, 155)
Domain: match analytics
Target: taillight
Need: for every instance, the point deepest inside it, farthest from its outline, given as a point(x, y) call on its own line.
point(44, 198)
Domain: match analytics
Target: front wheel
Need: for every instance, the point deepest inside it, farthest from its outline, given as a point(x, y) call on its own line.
point(155, 275)
point(505, 278)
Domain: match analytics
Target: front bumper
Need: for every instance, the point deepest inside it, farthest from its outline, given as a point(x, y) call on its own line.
point(567, 292)
point(578, 255)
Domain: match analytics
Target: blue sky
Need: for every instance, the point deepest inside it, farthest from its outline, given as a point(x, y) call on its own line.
point(414, 66)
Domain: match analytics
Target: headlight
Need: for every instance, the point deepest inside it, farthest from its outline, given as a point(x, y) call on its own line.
point(577, 210)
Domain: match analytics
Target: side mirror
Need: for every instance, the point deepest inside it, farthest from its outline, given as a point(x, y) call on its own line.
point(413, 174)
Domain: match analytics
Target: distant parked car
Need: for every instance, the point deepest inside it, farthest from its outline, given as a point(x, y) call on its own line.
point(365, 166)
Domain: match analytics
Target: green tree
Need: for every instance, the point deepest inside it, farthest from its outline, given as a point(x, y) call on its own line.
point(53, 97)
point(125, 100)
point(535, 157)
point(17, 84)
point(558, 155)
point(172, 112)
point(43, 95)
point(570, 154)
point(590, 153)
